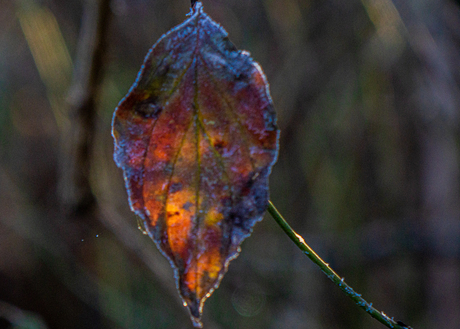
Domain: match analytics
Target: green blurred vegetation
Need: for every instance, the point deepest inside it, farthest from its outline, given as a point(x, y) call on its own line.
point(367, 95)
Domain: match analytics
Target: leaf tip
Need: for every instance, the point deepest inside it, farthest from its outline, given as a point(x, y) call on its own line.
point(197, 322)
point(195, 308)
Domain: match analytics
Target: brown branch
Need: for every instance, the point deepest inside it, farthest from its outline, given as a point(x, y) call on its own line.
point(80, 214)
point(77, 197)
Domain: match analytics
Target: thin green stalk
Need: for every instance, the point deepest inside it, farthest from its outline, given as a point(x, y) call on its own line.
point(339, 281)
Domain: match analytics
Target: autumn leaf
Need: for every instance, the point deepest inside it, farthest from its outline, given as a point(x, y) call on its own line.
point(196, 138)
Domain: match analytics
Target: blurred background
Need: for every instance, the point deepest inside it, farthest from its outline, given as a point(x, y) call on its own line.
point(367, 95)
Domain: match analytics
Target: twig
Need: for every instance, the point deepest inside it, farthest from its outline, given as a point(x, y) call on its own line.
point(334, 277)
point(77, 195)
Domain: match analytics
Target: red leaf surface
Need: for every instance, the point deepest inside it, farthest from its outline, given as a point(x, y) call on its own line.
point(196, 138)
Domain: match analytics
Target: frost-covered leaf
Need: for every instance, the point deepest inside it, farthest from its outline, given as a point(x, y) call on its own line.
point(196, 138)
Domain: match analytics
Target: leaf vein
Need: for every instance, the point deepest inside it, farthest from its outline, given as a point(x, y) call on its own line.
point(229, 109)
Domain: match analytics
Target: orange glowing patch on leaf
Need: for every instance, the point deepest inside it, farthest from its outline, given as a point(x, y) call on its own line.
point(196, 138)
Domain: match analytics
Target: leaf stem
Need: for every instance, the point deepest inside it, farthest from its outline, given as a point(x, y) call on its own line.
point(334, 277)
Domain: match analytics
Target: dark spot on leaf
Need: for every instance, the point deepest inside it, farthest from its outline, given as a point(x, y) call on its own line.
point(241, 76)
point(187, 205)
point(219, 145)
point(171, 214)
point(269, 117)
point(226, 202)
point(235, 219)
point(227, 45)
point(175, 187)
point(148, 110)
